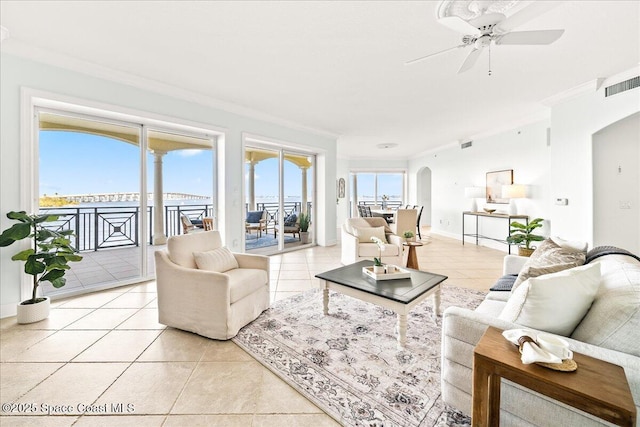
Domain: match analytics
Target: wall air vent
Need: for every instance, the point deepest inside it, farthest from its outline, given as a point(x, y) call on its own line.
point(622, 86)
point(467, 144)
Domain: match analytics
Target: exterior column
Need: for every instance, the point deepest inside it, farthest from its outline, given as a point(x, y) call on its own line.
point(252, 185)
point(303, 203)
point(159, 238)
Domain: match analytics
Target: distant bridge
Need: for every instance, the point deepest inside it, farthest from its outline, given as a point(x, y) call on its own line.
point(126, 197)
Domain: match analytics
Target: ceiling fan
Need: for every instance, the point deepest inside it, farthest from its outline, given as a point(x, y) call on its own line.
point(483, 23)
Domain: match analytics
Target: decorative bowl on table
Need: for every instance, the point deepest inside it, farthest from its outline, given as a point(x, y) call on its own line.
point(489, 211)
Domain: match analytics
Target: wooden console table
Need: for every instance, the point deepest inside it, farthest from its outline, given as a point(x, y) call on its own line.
point(596, 387)
point(478, 236)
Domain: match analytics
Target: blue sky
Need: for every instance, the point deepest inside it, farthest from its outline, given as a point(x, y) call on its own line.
point(80, 163)
point(77, 163)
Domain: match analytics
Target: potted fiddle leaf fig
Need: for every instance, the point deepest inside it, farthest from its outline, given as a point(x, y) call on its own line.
point(522, 235)
point(305, 221)
point(46, 260)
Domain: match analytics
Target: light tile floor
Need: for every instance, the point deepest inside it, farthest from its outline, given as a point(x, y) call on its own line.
point(106, 351)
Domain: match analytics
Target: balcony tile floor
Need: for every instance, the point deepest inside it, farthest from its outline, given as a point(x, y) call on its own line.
point(107, 348)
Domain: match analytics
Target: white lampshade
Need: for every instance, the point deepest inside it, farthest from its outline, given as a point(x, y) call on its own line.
point(473, 193)
point(513, 192)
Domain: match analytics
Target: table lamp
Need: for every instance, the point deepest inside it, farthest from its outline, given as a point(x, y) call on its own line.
point(474, 193)
point(513, 192)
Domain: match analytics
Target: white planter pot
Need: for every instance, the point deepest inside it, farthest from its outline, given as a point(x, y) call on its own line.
point(304, 237)
point(31, 313)
point(378, 269)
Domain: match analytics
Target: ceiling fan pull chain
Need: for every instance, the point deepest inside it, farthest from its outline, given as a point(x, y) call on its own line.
point(489, 59)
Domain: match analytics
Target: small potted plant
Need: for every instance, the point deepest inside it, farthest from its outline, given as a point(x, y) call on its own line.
point(304, 227)
point(409, 236)
point(522, 235)
point(46, 260)
point(378, 266)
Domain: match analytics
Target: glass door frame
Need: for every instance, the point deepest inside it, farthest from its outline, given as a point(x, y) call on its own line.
point(282, 148)
point(33, 101)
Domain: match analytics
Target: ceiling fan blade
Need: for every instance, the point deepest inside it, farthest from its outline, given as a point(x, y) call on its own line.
point(458, 24)
point(470, 60)
point(537, 8)
point(422, 58)
point(530, 37)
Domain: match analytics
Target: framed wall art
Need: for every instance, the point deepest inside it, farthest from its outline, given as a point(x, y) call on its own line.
point(495, 181)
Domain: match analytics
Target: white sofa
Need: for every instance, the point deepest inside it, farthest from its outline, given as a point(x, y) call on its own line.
point(609, 331)
point(357, 244)
point(228, 291)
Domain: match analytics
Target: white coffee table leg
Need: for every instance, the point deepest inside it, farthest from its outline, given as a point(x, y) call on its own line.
point(325, 300)
point(402, 330)
point(436, 303)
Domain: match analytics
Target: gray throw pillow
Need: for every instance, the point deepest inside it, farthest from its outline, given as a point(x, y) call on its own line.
point(549, 258)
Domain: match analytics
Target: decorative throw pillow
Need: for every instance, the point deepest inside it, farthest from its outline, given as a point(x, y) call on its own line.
point(291, 219)
point(254, 217)
point(364, 234)
point(554, 302)
point(549, 258)
point(218, 260)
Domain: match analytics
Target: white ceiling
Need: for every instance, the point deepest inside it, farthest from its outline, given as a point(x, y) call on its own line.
point(337, 66)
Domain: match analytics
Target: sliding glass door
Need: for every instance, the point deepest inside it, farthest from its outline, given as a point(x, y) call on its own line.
point(279, 188)
point(123, 189)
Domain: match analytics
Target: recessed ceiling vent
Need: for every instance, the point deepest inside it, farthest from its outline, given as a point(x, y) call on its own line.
point(624, 86)
point(467, 144)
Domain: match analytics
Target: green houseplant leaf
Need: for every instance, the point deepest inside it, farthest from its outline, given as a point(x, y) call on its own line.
point(522, 234)
point(51, 251)
point(304, 222)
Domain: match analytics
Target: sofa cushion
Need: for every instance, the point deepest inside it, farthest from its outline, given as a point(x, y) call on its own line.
point(549, 258)
point(379, 222)
point(245, 281)
point(554, 302)
point(365, 234)
point(352, 223)
point(614, 318)
point(182, 247)
point(219, 260)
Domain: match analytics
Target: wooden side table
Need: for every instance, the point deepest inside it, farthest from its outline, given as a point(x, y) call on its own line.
point(597, 387)
point(412, 256)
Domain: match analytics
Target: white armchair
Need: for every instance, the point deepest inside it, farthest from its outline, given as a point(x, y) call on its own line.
point(357, 245)
point(206, 289)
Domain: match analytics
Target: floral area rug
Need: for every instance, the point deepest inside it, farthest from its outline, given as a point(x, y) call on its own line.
point(348, 362)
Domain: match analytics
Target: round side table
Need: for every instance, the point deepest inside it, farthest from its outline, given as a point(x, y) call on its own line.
point(412, 258)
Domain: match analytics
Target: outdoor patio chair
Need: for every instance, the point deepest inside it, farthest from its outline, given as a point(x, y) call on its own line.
point(187, 225)
point(256, 220)
point(206, 289)
point(291, 225)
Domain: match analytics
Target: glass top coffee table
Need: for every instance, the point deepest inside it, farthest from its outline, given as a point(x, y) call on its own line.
point(399, 295)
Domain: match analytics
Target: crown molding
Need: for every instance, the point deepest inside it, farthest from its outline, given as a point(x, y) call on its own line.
point(30, 52)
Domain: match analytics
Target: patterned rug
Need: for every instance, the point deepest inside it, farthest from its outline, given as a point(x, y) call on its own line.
point(252, 241)
point(348, 362)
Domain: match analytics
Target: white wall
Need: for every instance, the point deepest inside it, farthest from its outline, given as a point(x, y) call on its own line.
point(573, 124)
point(616, 185)
point(562, 169)
point(523, 149)
point(16, 73)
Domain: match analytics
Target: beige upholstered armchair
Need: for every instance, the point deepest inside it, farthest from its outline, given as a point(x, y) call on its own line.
point(205, 288)
point(357, 245)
